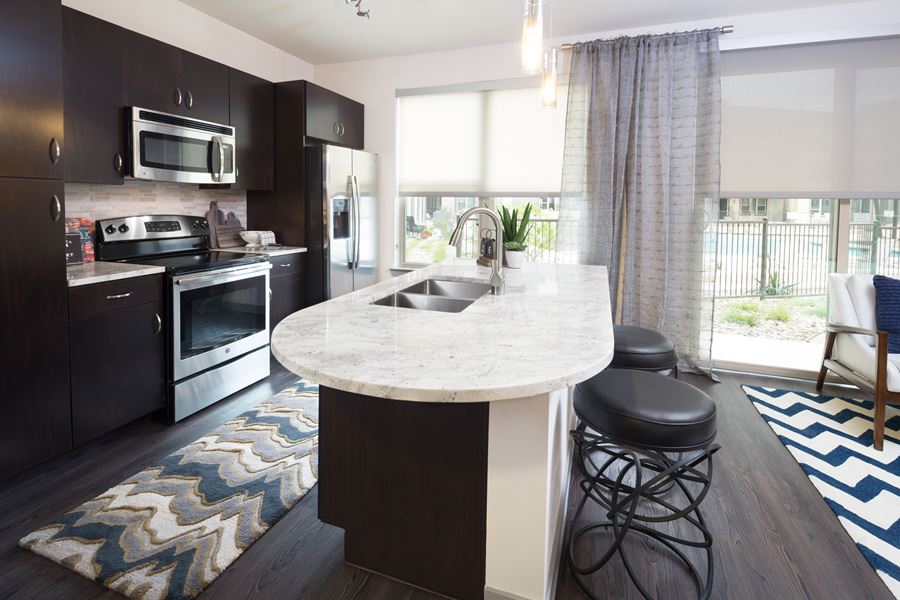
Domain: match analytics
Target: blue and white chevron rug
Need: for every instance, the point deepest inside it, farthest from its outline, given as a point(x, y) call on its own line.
point(831, 438)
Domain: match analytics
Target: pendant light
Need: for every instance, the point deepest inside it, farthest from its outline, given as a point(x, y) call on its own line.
point(549, 78)
point(532, 37)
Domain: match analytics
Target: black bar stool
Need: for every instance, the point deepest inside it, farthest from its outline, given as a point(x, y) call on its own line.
point(643, 349)
point(644, 448)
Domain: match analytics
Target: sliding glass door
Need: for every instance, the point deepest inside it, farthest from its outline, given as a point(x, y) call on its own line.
point(773, 257)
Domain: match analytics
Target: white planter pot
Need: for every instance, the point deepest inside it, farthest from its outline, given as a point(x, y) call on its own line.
point(514, 258)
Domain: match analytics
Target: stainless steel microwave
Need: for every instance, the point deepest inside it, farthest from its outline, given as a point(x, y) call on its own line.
point(166, 147)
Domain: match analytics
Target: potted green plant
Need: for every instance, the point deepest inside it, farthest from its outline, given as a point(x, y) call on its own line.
point(515, 233)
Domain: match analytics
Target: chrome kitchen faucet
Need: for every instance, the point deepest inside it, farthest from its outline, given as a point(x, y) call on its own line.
point(497, 265)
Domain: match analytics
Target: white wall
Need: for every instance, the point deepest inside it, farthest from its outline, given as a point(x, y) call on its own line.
point(180, 25)
point(375, 82)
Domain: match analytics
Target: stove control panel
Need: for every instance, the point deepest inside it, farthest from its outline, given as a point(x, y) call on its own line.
point(150, 227)
point(159, 226)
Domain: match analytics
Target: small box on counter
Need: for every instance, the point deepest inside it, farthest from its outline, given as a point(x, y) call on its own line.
point(73, 249)
point(83, 227)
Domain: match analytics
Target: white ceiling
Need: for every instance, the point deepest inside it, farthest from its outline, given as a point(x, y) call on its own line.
point(327, 31)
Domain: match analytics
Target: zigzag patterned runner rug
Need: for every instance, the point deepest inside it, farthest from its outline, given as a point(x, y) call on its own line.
point(832, 440)
point(168, 531)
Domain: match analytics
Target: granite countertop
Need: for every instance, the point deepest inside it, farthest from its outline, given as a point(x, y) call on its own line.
point(550, 329)
point(266, 250)
point(100, 271)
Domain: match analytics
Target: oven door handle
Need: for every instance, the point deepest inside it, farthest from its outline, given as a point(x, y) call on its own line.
point(223, 276)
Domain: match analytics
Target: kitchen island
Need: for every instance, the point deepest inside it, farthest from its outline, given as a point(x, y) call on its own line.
point(444, 450)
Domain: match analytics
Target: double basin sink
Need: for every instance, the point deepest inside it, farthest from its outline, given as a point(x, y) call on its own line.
point(443, 295)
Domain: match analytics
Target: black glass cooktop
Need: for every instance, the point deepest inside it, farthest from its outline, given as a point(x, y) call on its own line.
point(198, 262)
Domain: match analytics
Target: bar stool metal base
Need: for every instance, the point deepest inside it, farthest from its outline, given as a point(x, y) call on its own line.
point(653, 475)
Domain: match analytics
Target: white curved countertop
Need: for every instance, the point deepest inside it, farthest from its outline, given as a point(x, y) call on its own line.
point(550, 329)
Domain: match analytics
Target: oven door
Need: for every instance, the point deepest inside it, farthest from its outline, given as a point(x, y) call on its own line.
point(218, 316)
point(178, 152)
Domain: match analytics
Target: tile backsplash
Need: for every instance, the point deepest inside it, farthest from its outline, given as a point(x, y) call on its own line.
point(149, 198)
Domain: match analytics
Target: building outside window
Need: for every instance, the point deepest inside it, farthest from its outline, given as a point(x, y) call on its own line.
point(760, 209)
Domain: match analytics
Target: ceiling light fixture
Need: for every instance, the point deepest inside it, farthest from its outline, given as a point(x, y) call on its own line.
point(549, 78)
point(532, 36)
point(359, 11)
point(549, 68)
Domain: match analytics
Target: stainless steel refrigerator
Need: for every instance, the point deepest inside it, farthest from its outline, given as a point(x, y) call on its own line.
point(342, 217)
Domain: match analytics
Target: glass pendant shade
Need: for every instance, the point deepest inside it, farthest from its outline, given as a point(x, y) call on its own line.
point(549, 78)
point(532, 37)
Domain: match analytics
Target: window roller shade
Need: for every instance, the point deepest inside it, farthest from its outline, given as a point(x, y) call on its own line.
point(480, 143)
point(820, 120)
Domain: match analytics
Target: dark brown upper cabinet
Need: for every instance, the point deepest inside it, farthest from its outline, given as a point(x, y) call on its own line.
point(34, 356)
point(92, 60)
point(31, 89)
point(333, 118)
point(205, 86)
point(152, 74)
point(165, 78)
point(253, 118)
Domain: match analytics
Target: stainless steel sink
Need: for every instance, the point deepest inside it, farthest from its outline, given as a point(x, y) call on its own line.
point(437, 294)
point(449, 289)
point(423, 302)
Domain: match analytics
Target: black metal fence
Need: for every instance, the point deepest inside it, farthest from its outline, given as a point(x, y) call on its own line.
point(874, 248)
point(758, 258)
point(755, 258)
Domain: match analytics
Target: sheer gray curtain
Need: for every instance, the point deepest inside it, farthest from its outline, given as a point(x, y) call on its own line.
point(641, 179)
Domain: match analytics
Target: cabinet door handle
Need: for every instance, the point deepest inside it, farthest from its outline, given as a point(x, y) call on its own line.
point(118, 163)
point(55, 208)
point(118, 296)
point(336, 128)
point(55, 151)
point(189, 99)
point(286, 265)
point(176, 95)
point(157, 324)
point(342, 130)
point(270, 294)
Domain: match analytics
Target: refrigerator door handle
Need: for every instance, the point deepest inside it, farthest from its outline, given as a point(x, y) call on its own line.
point(356, 221)
point(351, 241)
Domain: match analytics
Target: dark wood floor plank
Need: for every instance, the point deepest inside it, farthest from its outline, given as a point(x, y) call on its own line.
point(775, 536)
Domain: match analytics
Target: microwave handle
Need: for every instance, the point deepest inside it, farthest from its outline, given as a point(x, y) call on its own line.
point(218, 158)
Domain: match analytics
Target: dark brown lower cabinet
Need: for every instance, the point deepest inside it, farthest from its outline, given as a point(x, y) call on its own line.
point(117, 356)
point(407, 482)
point(288, 287)
point(35, 417)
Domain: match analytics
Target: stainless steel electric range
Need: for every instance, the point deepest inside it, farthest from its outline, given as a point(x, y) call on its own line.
point(217, 305)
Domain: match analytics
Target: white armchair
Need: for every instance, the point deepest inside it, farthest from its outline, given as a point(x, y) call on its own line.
point(855, 349)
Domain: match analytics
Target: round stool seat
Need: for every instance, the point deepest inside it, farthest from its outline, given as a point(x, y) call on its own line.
point(646, 409)
point(640, 348)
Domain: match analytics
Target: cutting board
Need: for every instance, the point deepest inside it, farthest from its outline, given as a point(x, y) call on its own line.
point(229, 236)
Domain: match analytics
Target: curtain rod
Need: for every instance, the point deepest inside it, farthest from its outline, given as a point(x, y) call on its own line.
point(723, 30)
